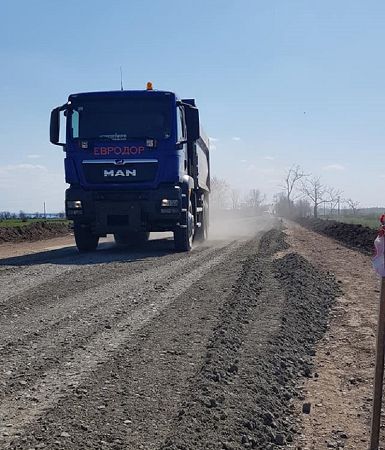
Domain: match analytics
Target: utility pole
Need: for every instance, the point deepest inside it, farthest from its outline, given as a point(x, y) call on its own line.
point(339, 205)
point(379, 373)
point(380, 347)
point(45, 214)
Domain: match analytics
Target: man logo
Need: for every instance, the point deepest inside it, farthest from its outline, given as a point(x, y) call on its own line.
point(119, 173)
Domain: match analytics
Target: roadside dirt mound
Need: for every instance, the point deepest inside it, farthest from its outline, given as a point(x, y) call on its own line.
point(33, 232)
point(352, 235)
point(243, 394)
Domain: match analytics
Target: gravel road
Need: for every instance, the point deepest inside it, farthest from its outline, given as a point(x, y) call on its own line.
point(153, 349)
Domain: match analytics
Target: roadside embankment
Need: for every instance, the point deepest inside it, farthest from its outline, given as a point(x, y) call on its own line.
point(353, 236)
point(34, 231)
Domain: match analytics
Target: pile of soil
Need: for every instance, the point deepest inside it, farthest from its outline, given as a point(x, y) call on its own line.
point(354, 236)
point(33, 232)
point(243, 395)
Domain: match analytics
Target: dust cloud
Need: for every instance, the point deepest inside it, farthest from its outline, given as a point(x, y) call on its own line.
point(237, 224)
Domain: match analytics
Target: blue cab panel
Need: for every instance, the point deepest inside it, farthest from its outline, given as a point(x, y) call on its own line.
point(123, 139)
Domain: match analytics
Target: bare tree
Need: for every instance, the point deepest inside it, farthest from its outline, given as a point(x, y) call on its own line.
point(281, 208)
point(235, 197)
point(255, 198)
point(315, 191)
point(302, 208)
point(220, 189)
point(299, 208)
point(293, 176)
point(353, 205)
point(5, 215)
point(333, 197)
point(23, 216)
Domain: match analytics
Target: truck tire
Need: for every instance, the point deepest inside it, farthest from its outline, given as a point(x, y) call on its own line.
point(131, 239)
point(85, 240)
point(201, 233)
point(184, 234)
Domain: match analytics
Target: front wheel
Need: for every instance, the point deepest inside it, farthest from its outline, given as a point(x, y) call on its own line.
point(85, 240)
point(184, 234)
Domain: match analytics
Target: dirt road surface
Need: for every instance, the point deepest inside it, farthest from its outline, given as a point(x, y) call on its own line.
point(152, 349)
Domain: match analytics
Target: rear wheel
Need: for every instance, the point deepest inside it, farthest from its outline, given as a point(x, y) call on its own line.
point(85, 240)
point(184, 234)
point(201, 233)
point(131, 239)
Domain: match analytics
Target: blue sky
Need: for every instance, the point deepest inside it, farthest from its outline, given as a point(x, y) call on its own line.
point(277, 82)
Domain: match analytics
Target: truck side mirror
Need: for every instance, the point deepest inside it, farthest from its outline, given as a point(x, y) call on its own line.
point(192, 122)
point(54, 128)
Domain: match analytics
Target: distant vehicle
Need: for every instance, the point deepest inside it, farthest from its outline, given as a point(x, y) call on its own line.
point(136, 162)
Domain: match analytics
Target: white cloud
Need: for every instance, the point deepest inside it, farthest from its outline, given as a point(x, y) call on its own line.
point(213, 139)
point(33, 156)
point(243, 160)
point(334, 167)
point(12, 168)
point(269, 158)
point(269, 171)
point(235, 138)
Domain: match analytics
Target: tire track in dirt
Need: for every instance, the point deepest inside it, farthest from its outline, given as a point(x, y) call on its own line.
point(54, 291)
point(68, 298)
point(47, 391)
point(16, 281)
point(23, 277)
point(133, 397)
point(217, 372)
point(44, 336)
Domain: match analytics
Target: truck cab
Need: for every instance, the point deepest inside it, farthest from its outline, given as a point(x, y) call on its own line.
point(135, 162)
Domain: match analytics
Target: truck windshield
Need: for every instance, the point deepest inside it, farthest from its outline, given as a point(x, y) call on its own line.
point(121, 119)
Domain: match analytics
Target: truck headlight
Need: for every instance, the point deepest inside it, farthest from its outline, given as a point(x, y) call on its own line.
point(167, 202)
point(74, 204)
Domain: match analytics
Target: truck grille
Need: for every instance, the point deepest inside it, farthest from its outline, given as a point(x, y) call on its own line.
point(119, 171)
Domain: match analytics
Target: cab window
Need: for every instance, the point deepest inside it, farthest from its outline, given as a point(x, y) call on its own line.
point(180, 125)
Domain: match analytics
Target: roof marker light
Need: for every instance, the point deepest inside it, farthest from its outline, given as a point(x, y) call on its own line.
point(149, 86)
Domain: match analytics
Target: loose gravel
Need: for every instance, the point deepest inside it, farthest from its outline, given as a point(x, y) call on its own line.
point(243, 395)
point(198, 351)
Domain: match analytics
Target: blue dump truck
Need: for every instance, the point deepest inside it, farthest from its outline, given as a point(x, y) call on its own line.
point(136, 162)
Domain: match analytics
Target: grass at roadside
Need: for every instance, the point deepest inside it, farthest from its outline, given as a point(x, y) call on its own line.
point(11, 223)
point(371, 221)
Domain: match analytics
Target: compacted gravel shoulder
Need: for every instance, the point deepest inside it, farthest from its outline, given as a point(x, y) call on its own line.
point(339, 392)
point(158, 350)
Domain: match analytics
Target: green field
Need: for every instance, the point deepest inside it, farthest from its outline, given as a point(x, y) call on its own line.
point(371, 221)
point(11, 223)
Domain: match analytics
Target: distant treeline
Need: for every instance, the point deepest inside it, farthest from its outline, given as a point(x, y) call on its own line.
point(5, 215)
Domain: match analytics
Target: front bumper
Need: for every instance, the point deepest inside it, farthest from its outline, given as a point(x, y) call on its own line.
point(117, 211)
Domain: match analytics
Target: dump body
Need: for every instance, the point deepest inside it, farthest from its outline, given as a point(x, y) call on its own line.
point(136, 162)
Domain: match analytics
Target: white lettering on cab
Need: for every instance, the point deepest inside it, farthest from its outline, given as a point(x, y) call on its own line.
point(119, 173)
